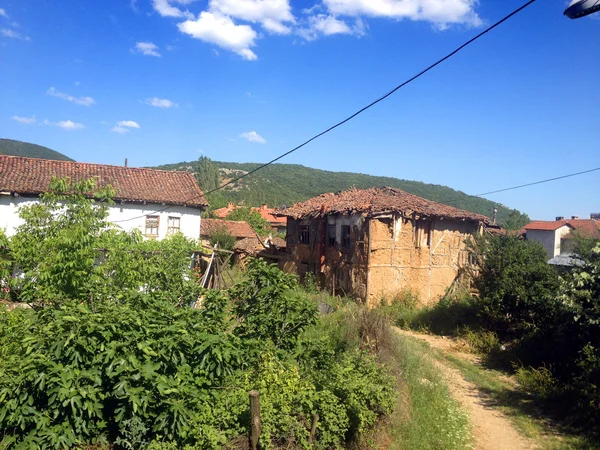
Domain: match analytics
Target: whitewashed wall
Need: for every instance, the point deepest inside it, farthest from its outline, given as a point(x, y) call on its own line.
point(127, 215)
point(549, 239)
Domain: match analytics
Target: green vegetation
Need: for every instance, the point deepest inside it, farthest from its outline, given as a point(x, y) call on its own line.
point(18, 148)
point(111, 354)
point(258, 223)
point(531, 321)
point(222, 238)
point(207, 174)
point(286, 184)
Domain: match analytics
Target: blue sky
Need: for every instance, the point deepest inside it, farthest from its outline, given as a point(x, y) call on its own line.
point(160, 81)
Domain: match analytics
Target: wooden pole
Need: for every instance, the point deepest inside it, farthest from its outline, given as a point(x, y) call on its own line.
point(313, 429)
point(254, 420)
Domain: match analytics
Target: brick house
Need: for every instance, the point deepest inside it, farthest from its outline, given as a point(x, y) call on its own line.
point(374, 243)
point(156, 202)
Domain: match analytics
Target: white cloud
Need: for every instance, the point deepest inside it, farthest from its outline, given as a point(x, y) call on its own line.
point(253, 136)
point(128, 124)
point(25, 120)
point(160, 103)
point(147, 48)
point(120, 130)
point(83, 101)
point(3, 13)
point(273, 15)
point(218, 29)
point(440, 12)
point(6, 32)
point(65, 124)
point(165, 9)
point(327, 25)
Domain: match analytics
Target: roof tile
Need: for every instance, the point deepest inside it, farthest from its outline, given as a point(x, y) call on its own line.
point(238, 229)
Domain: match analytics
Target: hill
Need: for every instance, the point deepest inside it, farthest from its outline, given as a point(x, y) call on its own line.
point(285, 184)
point(18, 148)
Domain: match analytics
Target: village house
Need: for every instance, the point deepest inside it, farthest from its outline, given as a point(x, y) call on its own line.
point(374, 243)
point(156, 202)
point(558, 236)
point(236, 228)
point(279, 224)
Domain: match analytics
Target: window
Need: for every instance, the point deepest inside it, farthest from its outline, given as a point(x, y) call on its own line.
point(304, 234)
point(422, 234)
point(346, 241)
point(174, 225)
point(331, 235)
point(152, 226)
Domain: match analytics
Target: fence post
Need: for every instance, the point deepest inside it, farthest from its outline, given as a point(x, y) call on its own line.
point(313, 429)
point(254, 420)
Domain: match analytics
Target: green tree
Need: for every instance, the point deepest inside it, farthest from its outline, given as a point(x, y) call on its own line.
point(222, 238)
point(516, 220)
point(207, 174)
point(256, 221)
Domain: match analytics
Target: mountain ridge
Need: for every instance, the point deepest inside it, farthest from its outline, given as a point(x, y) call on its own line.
point(13, 147)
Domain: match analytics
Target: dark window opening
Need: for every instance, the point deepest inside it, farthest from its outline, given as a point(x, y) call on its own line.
point(346, 241)
point(304, 234)
point(331, 235)
point(422, 234)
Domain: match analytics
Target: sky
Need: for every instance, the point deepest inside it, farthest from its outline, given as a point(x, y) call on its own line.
point(164, 81)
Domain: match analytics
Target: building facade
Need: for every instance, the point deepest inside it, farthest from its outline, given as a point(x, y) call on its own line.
point(155, 202)
point(558, 236)
point(373, 244)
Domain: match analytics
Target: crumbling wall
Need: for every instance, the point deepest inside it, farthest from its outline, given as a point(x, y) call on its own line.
point(422, 256)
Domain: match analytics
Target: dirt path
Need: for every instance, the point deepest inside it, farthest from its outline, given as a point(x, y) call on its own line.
point(492, 430)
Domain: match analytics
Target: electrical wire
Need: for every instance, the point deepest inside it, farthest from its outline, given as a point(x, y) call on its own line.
point(360, 111)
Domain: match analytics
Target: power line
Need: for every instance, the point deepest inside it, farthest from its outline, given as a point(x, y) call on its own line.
point(360, 111)
point(537, 182)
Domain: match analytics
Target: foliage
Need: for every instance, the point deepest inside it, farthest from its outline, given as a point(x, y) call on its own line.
point(516, 220)
point(222, 238)
point(286, 184)
point(258, 223)
point(18, 148)
point(207, 174)
point(271, 306)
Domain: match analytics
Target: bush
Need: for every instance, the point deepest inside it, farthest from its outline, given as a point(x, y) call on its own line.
point(222, 238)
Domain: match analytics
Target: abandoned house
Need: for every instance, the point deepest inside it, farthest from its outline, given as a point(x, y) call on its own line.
point(374, 243)
point(158, 203)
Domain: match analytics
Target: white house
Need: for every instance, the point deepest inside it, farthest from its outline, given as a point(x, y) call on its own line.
point(156, 202)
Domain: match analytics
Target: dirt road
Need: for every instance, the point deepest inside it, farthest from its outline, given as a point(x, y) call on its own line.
point(492, 430)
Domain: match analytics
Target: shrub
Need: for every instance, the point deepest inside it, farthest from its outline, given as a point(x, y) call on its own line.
point(538, 381)
point(222, 238)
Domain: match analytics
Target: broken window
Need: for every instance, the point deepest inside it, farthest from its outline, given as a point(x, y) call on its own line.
point(174, 225)
point(422, 233)
point(331, 235)
point(304, 234)
point(346, 240)
point(152, 226)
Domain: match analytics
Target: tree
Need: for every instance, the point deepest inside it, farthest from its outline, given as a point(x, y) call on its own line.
point(222, 238)
point(516, 220)
point(256, 221)
point(207, 174)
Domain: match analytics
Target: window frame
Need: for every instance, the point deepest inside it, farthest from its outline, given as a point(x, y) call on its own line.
point(331, 235)
point(346, 236)
point(151, 217)
point(304, 234)
point(171, 230)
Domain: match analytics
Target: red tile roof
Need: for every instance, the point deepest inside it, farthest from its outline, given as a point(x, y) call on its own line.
point(32, 176)
point(254, 246)
point(264, 211)
point(543, 225)
point(238, 229)
point(375, 201)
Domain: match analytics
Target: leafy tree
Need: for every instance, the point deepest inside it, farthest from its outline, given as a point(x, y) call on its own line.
point(56, 246)
point(222, 238)
point(207, 174)
point(256, 221)
point(516, 220)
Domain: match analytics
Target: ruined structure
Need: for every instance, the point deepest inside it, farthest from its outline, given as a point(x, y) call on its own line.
point(374, 243)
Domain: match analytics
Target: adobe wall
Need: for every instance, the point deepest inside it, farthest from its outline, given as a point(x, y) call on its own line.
point(398, 263)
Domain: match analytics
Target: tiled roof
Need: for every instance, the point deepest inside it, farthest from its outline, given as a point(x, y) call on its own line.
point(264, 211)
point(32, 176)
point(376, 201)
point(586, 227)
point(253, 246)
point(238, 229)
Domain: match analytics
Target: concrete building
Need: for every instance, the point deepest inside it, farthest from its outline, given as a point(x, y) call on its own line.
point(558, 236)
point(374, 243)
point(156, 202)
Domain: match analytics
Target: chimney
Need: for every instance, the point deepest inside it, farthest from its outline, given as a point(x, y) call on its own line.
point(574, 217)
point(560, 218)
point(125, 162)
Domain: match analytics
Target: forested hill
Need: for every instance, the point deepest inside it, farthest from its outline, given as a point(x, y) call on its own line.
point(285, 184)
point(18, 148)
